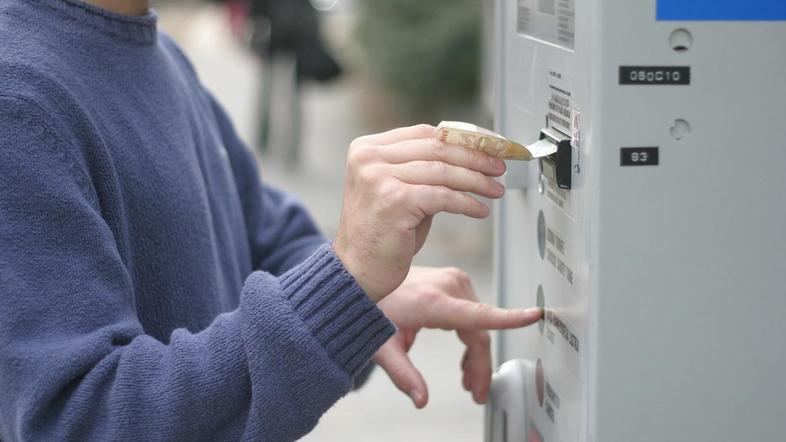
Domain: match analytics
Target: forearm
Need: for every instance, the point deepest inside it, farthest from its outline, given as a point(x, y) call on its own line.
point(268, 370)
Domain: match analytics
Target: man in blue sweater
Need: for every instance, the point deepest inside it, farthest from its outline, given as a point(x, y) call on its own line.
point(151, 288)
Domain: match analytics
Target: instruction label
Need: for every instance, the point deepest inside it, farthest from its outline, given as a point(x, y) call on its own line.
point(566, 342)
point(553, 21)
point(555, 254)
point(552, 402)
point(564, 330)
point(557, 196)
point(560, 114)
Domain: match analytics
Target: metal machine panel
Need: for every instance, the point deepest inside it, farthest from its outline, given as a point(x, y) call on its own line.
point(660, 268)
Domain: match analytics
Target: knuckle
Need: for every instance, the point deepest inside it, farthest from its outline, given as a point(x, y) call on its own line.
point(431, 296)
point(390, 192)
point(478, 179)
point(425, 129)
point(463, 278)
point(365, 176)
point(352, 157)
point(453, 284)
point(441, 192)
point(480, 311)
point(481, 181)
point(399, 374)
point(360, 141)
point(360, 155)
point(442, 195)
point(472, 203)
point(398, 197)
point(438, 146)
point(476, 158)
point(454, 273)
point(439, 168)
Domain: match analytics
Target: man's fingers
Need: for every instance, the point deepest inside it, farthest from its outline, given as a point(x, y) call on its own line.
point(394, 360)
point(431, 149)
point(462, 314)
point(477, 366)
point(437, 173)
point(419, 131)
point(465, 374)
point(432, 200)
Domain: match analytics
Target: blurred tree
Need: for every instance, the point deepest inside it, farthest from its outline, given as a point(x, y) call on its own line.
point(425, 54)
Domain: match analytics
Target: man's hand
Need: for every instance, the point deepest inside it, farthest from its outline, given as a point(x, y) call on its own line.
point(396, 182)
point(443, 298)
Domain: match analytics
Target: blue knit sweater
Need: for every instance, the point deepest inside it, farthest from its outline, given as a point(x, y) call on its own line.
point(150, 287)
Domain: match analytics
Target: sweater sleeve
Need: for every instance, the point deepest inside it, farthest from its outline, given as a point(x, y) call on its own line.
point(281, 232)
point(75, 363)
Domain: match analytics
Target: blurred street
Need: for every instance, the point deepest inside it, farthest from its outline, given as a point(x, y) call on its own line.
point(333, 115)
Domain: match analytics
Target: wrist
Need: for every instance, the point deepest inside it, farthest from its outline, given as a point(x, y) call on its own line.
point(354, 267)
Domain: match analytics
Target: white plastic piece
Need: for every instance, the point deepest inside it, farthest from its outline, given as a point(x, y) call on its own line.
point(505, 411)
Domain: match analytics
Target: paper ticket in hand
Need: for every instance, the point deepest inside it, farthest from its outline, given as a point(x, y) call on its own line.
point(475, 137)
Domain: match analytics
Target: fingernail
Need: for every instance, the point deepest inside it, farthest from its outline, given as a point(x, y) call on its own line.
point(535, 311)
point(416, 396)
point(498, 187)
point(496, 163)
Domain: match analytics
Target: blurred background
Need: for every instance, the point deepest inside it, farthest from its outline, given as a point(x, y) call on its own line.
point(301, 79)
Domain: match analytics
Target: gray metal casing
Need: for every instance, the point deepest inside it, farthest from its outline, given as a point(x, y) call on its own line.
point(677, 302)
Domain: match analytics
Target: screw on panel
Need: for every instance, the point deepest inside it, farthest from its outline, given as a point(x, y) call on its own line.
point(681, 129)
point(681, 40)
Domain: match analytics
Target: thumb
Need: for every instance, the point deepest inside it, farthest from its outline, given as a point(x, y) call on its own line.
point(394, 360)
point(421, 232)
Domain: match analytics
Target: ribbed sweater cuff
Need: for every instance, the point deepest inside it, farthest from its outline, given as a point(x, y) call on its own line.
point(339, 314)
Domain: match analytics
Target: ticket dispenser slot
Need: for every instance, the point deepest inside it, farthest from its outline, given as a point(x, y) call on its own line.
point(557, 166)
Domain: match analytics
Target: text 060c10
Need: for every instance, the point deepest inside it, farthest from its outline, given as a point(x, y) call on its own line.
point(655, 75)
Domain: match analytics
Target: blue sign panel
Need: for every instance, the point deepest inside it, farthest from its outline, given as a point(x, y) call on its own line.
point(719, 10)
